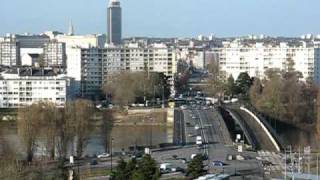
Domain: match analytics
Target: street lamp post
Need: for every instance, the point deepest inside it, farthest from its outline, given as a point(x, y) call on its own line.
point(111, 152)
point(151, 136)
point(163, 106)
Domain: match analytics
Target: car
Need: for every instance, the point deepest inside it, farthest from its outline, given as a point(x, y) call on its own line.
point(217, 163)
point(183, 107)
point(93, 162)
point(199, 142)
point(196, 127)
point(103, 155)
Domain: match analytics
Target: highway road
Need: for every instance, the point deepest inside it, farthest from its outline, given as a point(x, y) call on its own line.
point(217, 141)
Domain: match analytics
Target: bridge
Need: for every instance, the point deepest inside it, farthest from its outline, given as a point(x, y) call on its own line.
point(256, 130)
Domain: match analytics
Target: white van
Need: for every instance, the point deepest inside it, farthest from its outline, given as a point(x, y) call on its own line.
point(199, 140)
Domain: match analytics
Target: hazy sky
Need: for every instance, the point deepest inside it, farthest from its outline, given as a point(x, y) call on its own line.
point(165, 18)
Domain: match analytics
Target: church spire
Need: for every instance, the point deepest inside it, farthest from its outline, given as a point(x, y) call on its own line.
point(71, 29)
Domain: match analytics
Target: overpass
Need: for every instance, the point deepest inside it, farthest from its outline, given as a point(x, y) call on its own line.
point(258, 132)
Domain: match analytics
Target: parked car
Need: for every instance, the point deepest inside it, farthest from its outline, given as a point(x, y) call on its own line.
point(103, 155)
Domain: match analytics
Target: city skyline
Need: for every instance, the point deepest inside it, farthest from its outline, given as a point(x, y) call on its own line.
point(166, 18)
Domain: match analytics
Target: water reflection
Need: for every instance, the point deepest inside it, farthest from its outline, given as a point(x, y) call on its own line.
point(124, 138)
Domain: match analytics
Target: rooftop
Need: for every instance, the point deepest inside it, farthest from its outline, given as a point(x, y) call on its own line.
point(31, 72)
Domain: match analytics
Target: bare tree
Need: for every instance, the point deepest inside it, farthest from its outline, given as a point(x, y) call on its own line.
point(121, 88)
point(216, 86)
point(81, 119)
point(318, 114)
point(107, 124)
point(285, 97)
point(28, 127)
point(127, 87)
point(49, 124)
point(9, 166)
point(65, 133)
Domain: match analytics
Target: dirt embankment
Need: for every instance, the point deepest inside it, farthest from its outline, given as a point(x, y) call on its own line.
point(141, 117)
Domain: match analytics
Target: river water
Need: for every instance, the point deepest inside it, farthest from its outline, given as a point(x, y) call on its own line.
point(124, 138)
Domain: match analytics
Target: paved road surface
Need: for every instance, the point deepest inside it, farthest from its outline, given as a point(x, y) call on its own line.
point(262, 140)
point(219, 144)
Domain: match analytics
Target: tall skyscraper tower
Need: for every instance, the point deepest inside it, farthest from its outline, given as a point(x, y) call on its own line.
point(114, 22)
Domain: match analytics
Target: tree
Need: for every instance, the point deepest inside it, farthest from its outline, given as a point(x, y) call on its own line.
point(213, 69)
point(243, 83)
point(181, 82)
point(318, 114)
point(65, 132)
point(28, 127)
point(195, 167)
point(255, 91)
point(283, 96)
point(216, 85)
point(107, 124)
point(120, 171)
point(231, 88)
point(129, 87)
point(49, 124)
point(147, 169)
point(144, 169)
point(9, 166)
point(81, 119)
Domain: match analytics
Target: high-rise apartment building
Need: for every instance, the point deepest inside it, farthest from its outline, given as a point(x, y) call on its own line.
point(90, 67)
point(114, 22)
point(91, 72)
point(257, 58)
point(9, 52)
point(137, 58)
point(54, 54)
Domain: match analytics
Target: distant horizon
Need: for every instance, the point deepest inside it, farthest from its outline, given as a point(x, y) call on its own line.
point(185, 37)
point(166, 18)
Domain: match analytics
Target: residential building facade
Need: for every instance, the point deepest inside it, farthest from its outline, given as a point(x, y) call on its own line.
point(21, 87)
point(54, 54)
point(9, 52)
point(257, 58)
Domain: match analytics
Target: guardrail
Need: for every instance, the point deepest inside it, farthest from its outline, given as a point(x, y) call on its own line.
point(267, 124)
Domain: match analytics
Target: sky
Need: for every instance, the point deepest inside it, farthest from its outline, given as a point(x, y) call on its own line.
point(165, 18)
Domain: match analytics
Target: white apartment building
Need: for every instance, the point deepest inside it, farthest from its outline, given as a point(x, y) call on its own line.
point(255, 59)
point(84, 41)
point(193, 56)
point(74, 66)
point(20, 87)
point(135, 58)
point(78, 59)
point(85, 66)
point(90, 67)
point(9, 52)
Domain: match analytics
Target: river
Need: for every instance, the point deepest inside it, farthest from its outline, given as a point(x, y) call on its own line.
point(124, 138)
